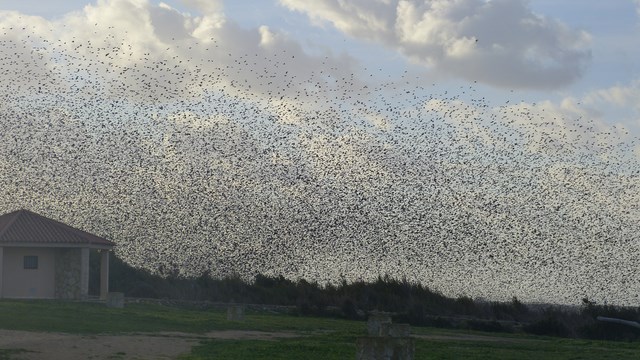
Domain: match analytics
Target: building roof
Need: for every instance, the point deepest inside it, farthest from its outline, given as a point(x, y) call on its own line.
point(25, 227)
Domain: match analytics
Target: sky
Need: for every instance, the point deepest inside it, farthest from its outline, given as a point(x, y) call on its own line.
point(483, 148)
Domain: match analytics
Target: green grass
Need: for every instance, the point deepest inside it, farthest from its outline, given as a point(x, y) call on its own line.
point(552, 349)
point(93, 318)
point(7, 354)
point(336, 346)
point(319, 338)
point(321, 347)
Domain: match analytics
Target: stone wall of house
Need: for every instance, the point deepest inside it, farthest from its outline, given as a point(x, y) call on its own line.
point(68, 272)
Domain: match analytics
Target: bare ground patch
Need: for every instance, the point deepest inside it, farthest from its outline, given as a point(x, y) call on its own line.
point(164, 345)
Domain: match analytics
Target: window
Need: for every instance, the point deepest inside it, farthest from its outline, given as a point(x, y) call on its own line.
point(30, 262)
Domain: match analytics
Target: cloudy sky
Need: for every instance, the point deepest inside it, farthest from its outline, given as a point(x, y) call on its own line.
point(485, 148)
point(575, 56)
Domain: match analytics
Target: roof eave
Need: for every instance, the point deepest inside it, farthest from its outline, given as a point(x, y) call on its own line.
point(57, 245)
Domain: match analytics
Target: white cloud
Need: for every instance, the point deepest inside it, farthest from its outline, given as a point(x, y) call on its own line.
point(618, 95)
point(207, 7)
point(159, 51)
point(267, 37)
point(502, 43)
point(27, 64)
point(577, 127)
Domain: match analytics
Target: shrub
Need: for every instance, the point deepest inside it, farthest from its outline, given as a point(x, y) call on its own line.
point(549, 325)
point(492, 326)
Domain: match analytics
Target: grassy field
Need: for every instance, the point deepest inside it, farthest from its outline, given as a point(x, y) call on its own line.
point(319, 338)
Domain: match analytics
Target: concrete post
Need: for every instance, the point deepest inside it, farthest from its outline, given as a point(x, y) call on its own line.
point(84, 273)
point(104, 274)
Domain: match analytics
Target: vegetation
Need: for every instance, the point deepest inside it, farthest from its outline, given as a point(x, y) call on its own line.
point(328, 348)
point(94, 318)
point(7, 354)
point(410, 302)
point(315, 337)
point(456, 346)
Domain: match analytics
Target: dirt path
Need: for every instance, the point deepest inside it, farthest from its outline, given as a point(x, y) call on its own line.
point(147, 346)
point(58, 346)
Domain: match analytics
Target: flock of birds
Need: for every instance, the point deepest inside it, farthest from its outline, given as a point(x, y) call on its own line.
point(195, 161)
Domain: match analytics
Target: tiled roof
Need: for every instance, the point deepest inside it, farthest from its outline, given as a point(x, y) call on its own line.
point(24, 226)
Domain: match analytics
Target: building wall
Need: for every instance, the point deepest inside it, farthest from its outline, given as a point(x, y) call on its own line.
point(18, 282)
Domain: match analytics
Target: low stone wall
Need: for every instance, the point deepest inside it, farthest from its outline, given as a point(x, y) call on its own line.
point(205, 305)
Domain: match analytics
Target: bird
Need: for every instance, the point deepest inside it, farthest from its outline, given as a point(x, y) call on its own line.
point(199, 157)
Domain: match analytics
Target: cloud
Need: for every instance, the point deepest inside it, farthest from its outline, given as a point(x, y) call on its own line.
point(618, 95)
point(141, 50)
point(502, 43)
point(207, 7)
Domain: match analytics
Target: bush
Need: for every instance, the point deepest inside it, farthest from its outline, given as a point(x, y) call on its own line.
point(609, 331)
point(349, 309)
point(550, 326)
point(142, 289)
point(492, 326)
point(412, 303)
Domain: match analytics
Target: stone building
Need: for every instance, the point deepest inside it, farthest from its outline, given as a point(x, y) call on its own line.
point(46, 259)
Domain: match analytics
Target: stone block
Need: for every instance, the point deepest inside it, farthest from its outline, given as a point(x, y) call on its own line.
point(395, 330)
point(375, 321)
point(115, 300)
point(385, 348)
point(235, 313)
